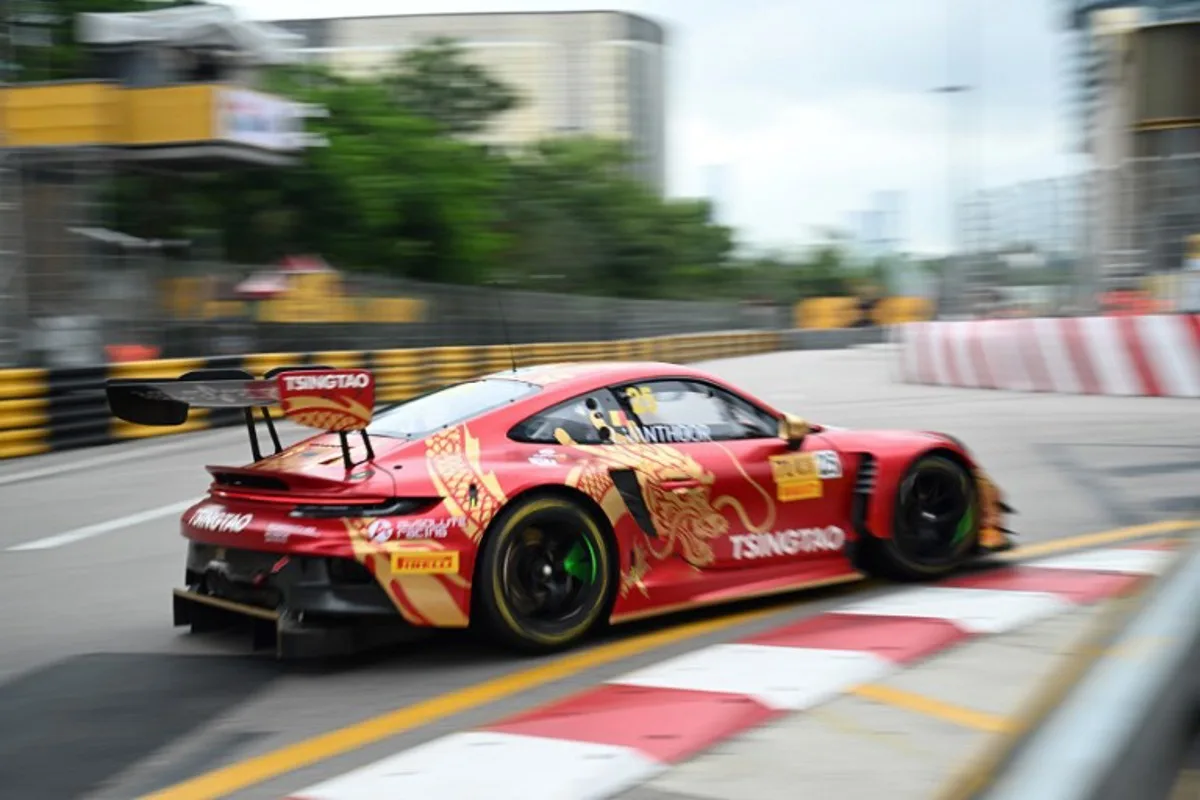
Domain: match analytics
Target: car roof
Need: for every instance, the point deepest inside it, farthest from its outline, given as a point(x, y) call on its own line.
point(560, 381)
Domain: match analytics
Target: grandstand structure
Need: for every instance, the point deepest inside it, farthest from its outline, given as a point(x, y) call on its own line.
point(171, 92)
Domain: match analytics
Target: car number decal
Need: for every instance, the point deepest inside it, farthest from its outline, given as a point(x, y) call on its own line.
point(799, 476)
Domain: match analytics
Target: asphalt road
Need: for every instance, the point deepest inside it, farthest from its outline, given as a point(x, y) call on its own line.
point(101, 697)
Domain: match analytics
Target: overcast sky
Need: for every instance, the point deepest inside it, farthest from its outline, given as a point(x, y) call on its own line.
point(811, 106)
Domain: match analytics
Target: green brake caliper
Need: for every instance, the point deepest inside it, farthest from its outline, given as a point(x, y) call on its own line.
point(965, 525)
point(580, 562)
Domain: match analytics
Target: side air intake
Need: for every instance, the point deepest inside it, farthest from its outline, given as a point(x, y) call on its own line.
point(864, 489)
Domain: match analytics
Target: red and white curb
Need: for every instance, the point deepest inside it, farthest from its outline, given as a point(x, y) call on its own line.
point(607, 739)
point(1143, 356)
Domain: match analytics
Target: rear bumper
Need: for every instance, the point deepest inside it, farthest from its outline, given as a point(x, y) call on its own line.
point(289, 637)
point(325, 587)
point(297, 606)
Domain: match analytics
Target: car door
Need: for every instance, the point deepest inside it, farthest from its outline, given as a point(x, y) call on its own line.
point(749, 499)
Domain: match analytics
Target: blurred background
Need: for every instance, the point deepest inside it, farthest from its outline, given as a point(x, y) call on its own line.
point(186, 179)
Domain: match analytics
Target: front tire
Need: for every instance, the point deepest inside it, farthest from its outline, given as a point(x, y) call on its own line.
point(935, 522)
point(545, 575)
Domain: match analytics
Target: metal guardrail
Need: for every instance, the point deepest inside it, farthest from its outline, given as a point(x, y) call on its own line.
point(46, 410)
point(1120, 734)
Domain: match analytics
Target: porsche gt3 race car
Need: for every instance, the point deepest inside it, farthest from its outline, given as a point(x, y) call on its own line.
point(538, 503)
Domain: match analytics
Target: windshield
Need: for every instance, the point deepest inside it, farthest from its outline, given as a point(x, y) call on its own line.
point(423, 415)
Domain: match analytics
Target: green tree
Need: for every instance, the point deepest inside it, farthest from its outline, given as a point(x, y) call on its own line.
point(396, 193)
point(573, 209)
point(825, 270)
point(437, 81)
point(390, 194)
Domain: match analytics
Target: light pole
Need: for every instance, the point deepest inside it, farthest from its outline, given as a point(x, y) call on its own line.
point(954, 283)
point(964, 48)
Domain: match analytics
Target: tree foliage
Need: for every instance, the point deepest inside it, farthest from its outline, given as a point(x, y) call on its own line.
point(437, 82)
point(404, 189)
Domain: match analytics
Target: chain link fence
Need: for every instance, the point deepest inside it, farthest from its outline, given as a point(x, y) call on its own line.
point(140, 302)
point(1102, 240)
point(1161, 198)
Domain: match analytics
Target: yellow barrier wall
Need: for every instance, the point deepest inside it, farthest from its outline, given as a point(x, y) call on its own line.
point(24, 418)
point(95, 113)
point(842, 312)
point(29, 425)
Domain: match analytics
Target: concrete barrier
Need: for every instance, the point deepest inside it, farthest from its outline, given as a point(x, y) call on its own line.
point(1150, 356)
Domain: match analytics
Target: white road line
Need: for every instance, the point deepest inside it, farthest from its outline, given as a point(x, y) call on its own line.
point(974, 610)
point(100, 528)
point(120, 455)
point(1127, 560)
point(474, 764)
point(789, 678)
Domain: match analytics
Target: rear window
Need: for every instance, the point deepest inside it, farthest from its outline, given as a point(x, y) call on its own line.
point(428, 413)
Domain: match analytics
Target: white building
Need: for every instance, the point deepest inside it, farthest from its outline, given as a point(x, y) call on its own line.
point(592, 72)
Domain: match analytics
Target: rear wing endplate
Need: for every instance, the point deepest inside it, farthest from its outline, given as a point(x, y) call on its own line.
point(340, 401)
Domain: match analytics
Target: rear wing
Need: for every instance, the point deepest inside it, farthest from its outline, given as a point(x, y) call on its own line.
point(340, 401)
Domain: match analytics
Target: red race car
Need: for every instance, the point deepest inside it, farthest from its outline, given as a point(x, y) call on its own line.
point(540, 502)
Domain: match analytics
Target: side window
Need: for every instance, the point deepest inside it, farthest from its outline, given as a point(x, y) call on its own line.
point(581, 419)
point(678, 411)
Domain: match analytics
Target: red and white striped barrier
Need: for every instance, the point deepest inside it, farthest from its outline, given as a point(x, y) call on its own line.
point(1132, 356)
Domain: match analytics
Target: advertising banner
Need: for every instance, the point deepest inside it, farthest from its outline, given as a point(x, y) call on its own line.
point(260, 120)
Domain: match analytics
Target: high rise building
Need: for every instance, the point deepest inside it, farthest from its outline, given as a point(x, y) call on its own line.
point(1089, 24)
point(587, 72)
point(1139, 123)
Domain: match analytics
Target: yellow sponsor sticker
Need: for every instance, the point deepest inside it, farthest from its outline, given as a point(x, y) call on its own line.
point(642, 400)
point(430, 563)
point(796, 477)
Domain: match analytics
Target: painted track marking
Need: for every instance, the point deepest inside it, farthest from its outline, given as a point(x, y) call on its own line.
point(101, 528)
point(256, 770)
point(933, 707)
point(719, 692)
point(128, 451)
point(234, 777)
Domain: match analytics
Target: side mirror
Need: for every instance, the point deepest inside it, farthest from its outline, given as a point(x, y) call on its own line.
point(793, 429)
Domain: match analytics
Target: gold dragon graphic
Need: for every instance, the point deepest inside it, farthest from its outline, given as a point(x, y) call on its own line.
point(458, 476)
point(686, 520)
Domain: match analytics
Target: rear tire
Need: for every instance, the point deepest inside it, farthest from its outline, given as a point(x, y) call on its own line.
point(544, 578)
point(935, 522)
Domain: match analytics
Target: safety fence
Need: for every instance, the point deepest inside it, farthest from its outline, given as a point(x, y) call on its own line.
point(1155, 355)
point(128, 315)
point(44, 410)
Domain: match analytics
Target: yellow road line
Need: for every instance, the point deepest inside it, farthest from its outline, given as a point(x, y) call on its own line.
point(981, 768)
point(1187, 787)
point(1093, 539)
point(237, 776)
point(932, 707)
point(234, 777)
point(845, 723)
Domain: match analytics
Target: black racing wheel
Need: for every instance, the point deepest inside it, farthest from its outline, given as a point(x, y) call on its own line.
point(935, 521)
point(544, 577)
